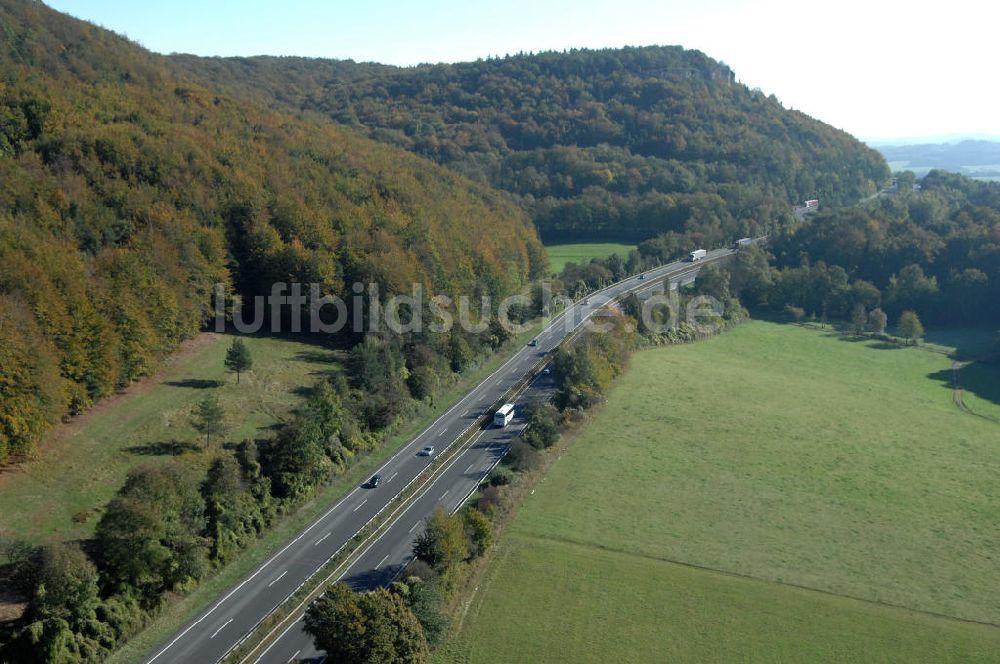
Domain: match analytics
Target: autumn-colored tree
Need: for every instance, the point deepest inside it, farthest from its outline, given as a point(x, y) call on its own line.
point(145, 197)
point(877, 320)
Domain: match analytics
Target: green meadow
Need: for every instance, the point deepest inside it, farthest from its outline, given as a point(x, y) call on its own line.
point(777, 493)
point(59, 495)
point(560, 254)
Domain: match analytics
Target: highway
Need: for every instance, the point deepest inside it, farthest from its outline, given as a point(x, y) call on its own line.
point(218, 629)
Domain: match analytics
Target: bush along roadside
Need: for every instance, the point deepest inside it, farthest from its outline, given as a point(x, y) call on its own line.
point(453, 551)
point(173, 523)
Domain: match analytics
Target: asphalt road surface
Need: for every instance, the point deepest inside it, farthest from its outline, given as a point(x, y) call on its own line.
point(218, 629)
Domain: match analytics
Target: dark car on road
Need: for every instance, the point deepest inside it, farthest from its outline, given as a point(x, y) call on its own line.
point(374, 481)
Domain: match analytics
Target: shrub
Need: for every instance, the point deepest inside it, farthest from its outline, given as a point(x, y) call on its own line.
point(500, 477)
point(523, 457)
point(489, 500)
point(478, 532)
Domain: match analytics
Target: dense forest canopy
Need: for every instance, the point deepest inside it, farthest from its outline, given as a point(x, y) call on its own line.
point(130, 188)
point(618, 143)
point(935, 251)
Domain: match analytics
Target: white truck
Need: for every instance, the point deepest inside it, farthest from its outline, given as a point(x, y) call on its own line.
point(504, 415)
point(697, 255)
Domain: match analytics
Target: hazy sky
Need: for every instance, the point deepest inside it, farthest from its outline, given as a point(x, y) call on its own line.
point(876, 68)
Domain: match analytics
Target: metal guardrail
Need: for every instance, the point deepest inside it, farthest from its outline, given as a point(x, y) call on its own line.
point(443, 461)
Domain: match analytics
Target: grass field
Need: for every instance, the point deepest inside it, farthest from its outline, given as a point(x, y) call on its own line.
point(175, 614)
point(780, 461)
point(560, 254)
point(85, 462)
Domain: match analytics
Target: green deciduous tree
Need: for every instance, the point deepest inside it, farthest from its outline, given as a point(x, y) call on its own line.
point(296, 459)
point(909, 326)
point(911, 288)
point(65, 585)
point(150, 535)
point(425, 599)
point(478, 531)
point(369, 628)
point(543, 425)
point(443, 543)
point(238, 358)
point(233, 510)
point(797, 313)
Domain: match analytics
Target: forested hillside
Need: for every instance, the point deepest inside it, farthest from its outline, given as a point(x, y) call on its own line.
point(130, 188)
point(935, 252)
point(617, 144)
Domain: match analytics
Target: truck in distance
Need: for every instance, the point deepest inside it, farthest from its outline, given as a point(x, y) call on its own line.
point(504, 415)
point(743, 242)
point(697, 255)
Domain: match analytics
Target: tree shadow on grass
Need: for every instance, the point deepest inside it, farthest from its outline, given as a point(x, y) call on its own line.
point(164, 448)
point(852, 338)
point(970, 344)
point(875, 343)
point(195, 383)
point(981, 379)
point(316, 357)
point(887, 345)
point(304, 391)
point(329, 364)
point(273, 426)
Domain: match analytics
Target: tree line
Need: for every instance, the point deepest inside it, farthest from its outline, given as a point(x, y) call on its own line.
point(172, 523)
point(935, 252)
point(131, 188)
point(404, 622)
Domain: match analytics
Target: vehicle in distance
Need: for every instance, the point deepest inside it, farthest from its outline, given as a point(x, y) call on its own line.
point(546, 371)
point(427, 451)
point(697, 255)
point(743, 242)
point(533, 342)
point(641, 277)
point(504, 415)
point(586, 301)
point(374, 481)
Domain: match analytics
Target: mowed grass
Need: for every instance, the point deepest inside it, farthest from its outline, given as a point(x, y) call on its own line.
point(560, 254)
point(549, 601)
point(793, 458)
point(84, 463)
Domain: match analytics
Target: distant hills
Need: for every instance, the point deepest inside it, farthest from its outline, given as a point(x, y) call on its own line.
point(974, 158)
point(611, 144)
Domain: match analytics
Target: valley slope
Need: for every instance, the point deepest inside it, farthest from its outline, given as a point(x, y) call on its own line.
point(615, 144)
point(130, 188)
